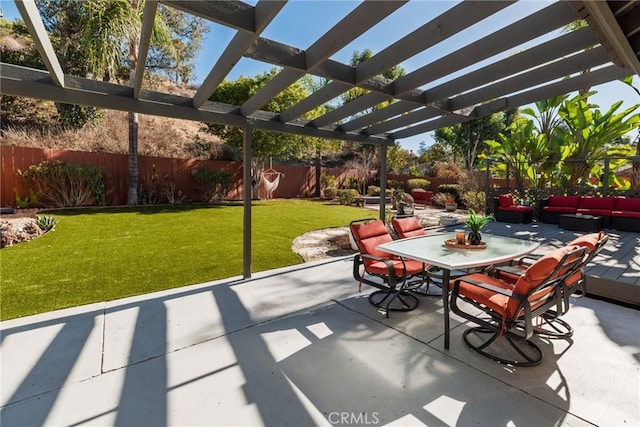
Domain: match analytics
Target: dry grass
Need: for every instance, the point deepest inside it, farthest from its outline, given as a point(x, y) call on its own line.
point(157, 136)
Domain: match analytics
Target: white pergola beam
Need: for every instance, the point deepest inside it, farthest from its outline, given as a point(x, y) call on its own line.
point(32, 20)
point(264, 12)
point(607, 25)
point(148, 19)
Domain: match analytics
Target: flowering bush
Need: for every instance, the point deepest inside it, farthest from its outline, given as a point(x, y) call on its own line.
point(443, 199)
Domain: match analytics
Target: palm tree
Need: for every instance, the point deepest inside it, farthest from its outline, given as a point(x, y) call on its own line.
point(113, 28)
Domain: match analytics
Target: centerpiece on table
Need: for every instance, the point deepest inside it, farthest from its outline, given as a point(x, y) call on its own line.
point(475, 223)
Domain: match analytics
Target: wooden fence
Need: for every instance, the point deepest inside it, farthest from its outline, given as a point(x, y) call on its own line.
point(295, 182)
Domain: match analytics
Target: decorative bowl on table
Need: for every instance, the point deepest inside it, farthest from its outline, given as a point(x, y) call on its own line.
point(452, 243)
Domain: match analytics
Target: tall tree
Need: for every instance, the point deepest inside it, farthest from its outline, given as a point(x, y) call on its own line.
point(436, 152)
point(265, 144)
point(467, 140)
point(103, 36)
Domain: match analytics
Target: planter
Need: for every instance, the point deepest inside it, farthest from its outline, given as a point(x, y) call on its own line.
point(450, 208)
point(448, 220)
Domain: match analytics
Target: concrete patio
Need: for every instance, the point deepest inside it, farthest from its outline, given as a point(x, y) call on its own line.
point(300, 346)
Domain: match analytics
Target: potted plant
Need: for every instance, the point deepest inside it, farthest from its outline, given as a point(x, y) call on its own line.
point(475, 224)
point(450, 205)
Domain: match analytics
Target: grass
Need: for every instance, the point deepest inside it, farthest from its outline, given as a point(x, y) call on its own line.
point(104, 254)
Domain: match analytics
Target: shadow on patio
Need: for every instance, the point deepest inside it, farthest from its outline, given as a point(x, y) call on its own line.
point(299, 346)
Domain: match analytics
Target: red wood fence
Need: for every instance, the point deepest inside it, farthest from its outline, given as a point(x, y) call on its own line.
point(296, 181)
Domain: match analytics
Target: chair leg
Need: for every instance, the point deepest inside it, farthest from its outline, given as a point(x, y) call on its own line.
point(383, 299)
point(553, 327)
point(521, 352)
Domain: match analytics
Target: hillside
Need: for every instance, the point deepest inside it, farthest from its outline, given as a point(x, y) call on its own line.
point(34, 123)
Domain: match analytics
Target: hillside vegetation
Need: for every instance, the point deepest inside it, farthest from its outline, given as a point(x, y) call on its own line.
point(30, 122)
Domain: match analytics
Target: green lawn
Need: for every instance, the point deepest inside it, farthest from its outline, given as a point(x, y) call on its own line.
point(108, 253)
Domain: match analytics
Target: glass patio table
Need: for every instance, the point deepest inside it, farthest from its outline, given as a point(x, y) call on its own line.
point(432, 250)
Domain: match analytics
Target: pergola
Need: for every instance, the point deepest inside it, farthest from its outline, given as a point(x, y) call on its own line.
point(609, 47)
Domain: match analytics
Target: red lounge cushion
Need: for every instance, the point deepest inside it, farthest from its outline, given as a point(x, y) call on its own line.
point(626, 214)
point(515, 208)
point(505, 200)
point(564, 201)
point(603, 212)
point(559, 209)
point(591, 202)
point(627, 204)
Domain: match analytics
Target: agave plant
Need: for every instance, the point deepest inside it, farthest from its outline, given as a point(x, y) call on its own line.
point(46, 222)
point(475, 224)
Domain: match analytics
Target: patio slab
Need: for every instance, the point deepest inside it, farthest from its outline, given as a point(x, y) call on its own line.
point(300, 346)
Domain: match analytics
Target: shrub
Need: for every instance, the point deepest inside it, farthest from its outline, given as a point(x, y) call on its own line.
point(473, 181)
point(373, 190)
point(149, 188)
point(348, 196)
point(26, 201)
point(442, 199)
point(327, 180)
point(452, 189)
point(393, 184)
point(61, 184)
point(414, 172)
point(475, 200)
point(445, 170)
point(418, 183)
point(352, 183)
point(73, 116)
point(213, 185)
point(173, 196)
point(330, 193)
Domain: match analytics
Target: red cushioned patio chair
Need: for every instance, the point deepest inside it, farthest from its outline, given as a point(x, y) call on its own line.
point(392, 272)
point(408, 226)
point(573, 285)
point(508, 311)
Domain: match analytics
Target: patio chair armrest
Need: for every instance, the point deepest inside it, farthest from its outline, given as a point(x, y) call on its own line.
point(522, 261)
point(456, 286)
point(391, 268)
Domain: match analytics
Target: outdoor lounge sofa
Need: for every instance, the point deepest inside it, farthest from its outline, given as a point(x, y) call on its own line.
point(421, 197)
point(506, 210)
point(620, 213)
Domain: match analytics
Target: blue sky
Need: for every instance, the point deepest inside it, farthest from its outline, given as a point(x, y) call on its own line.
point(301, 22)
